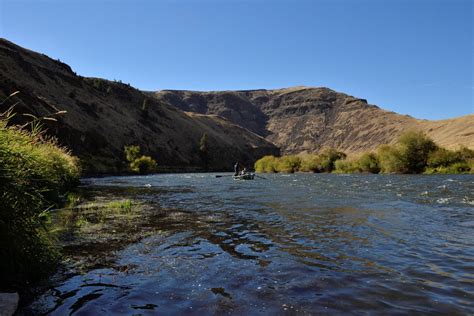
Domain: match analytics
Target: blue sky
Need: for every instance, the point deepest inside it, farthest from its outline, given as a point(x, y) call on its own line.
point(410, 56)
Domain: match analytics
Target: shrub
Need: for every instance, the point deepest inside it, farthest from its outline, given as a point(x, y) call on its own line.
point(368, 163)
point(415, 148)
point(328, 158)
point(390, 160)
point(266, 164)
point(455, 168)
point(204, 150)
point(345, 166)
point(289, 164)
point(131, 152)
point(443, 158)
point(143, 165)
point(311, 163)
point(465, 154)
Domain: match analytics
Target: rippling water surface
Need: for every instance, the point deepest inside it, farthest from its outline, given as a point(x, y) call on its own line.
point(300, 243)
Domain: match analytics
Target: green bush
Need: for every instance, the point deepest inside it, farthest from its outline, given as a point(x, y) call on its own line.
point(390, 160)
point(443, 158)
point(328, 158)
point(289, 164)
point(310, 163)
point(143, 165)
point(267, 164)
point(368, 162)
point(137, 163)
point(455, 168)
point(465, 154)
point(345, 166)
point(34, 173)
point(131, 152)
point(415, 148)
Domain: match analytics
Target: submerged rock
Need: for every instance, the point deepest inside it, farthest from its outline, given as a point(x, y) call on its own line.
point(8, 303)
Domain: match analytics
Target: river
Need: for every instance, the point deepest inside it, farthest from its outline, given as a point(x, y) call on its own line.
point(297, 244)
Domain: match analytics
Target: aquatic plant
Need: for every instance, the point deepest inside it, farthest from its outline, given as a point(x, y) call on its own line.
point(34, 171)
point(125, 205)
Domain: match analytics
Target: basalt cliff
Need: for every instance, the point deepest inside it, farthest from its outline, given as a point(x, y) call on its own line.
point(306, 119)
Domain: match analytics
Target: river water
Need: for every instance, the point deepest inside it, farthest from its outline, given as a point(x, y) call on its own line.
point(282, 244)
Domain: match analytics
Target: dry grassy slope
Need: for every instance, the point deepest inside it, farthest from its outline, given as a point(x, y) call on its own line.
point(103, 116)
point(450, 133)
point(302, 119)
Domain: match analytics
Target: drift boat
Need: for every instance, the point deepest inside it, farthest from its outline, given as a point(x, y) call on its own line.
point(245, 176)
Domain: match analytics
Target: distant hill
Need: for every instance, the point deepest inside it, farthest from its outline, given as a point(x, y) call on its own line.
point(304, 119)
point(104, 116)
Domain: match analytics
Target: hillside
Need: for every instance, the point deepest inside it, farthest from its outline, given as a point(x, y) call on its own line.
point(303, 119)
point(104, 116)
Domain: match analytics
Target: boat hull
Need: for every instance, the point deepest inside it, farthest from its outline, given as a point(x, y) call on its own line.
point(248, 176)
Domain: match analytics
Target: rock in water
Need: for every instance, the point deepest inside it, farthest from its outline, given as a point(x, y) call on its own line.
point(8, 303)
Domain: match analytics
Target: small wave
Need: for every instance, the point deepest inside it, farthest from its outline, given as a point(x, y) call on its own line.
point(443, 200)
point(468, 201)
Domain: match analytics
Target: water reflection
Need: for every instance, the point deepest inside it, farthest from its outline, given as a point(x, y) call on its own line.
point(293, 244)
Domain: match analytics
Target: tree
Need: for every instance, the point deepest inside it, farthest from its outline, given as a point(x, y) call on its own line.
point(131, 152)
point(415, 148)
point(204, 150)
point(141, 164)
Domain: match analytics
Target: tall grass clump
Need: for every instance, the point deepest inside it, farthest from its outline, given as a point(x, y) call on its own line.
point(34, 173)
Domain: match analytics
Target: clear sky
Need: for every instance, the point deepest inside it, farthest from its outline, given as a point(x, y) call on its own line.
point(410, 56)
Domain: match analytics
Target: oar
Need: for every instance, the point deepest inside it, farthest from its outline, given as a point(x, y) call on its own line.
point(227, 175)
point(260, 177)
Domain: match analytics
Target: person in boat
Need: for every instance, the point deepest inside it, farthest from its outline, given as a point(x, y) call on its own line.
point(236, 168)
point(243, 172)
